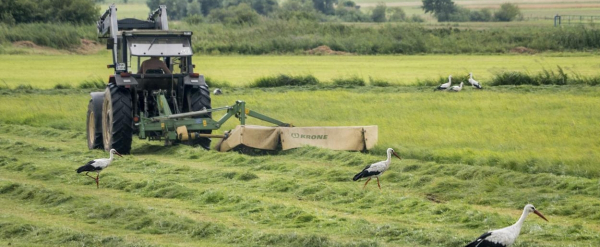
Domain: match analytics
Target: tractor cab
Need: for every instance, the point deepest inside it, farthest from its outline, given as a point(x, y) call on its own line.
point(171, 48)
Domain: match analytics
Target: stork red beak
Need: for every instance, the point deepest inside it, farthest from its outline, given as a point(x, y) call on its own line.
point(117, 153)
point(396, 155)
point(540, 214)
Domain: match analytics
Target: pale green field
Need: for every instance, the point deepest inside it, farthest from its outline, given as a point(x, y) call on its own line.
point(45, 71)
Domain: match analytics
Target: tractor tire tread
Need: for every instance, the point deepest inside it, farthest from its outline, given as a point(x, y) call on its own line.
point(122, 125)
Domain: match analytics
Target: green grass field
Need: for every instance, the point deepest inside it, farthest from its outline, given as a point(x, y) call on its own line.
point(472, 160)
point(43, 71)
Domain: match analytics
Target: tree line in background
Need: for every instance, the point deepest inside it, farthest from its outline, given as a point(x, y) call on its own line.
point(32, 11)
point(249, 12)
point(446, 10)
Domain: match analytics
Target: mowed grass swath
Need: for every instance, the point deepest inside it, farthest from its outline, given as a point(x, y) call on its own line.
point(181, 196)
point(47, 71)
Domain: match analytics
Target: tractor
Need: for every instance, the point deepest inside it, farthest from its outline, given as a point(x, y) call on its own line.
point(176, 107)
point(114, 115)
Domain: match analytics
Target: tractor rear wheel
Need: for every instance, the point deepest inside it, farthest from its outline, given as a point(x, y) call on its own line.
point(94, 122)
point(198, 99)
point(117, 122)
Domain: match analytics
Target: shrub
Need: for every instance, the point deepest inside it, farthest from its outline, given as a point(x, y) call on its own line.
point(378, 14)
point(194, 19)
point(297, 10)
point(193, 9)
point(396, 14)
point(507, 12)
point(441, 9)
point(459, 15)
point(324, 6)
point(416, 18)
point(483, 15)
point(347, 3)
point(239, 15)
point(351, 14)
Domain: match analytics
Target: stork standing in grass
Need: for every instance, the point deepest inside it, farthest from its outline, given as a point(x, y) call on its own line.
point(506, 236)
point(456, 88)
point(473, 82)
point(445, 85)
point(376, 169)
point(97, 166)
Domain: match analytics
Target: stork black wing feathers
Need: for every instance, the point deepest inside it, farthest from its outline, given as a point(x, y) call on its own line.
point(89, 167)
point(365, 173)
point(481, 242)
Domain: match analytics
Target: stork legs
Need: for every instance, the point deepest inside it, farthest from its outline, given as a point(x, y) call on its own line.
point(366, 183)
point(379, 185)
point(94, 178)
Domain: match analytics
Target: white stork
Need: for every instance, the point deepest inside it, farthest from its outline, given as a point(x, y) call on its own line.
point(473, 82)
point(456, 88)
point(506, 236)
point(217, 91)
point(97, 166)
point(376, 169)
point(445, 85)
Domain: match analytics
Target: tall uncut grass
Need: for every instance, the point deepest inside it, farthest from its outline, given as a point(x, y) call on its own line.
point(59, 36)
point(274, 36)
point(296, 37)
point(285, 80)
point(546, 77)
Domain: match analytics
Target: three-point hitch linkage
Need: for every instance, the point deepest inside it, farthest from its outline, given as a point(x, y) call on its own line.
point(184, 126)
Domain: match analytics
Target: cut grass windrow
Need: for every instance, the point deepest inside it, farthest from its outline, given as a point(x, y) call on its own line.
point(300, 197)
